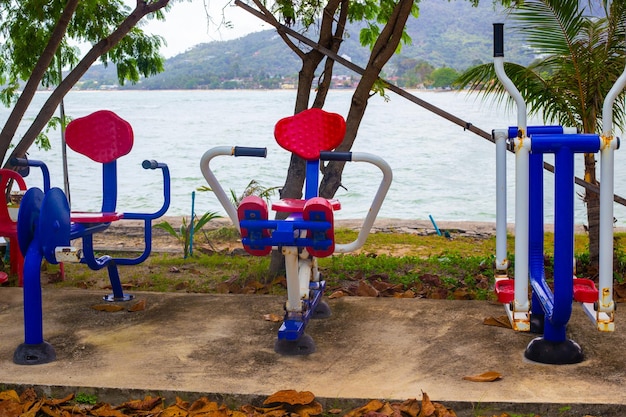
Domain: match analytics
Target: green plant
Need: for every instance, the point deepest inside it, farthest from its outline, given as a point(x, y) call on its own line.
point(84, 398)
point(253, 188)
point(184, 234)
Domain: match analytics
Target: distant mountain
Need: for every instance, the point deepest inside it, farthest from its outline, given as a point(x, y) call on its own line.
point(447, 34)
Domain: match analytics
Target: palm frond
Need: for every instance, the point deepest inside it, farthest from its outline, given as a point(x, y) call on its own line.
point(550, 26)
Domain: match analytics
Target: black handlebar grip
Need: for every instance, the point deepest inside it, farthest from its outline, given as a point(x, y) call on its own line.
point(498, 40)
point(248, 151)
point(151, 164)
point(335, 156)
point(19, 162)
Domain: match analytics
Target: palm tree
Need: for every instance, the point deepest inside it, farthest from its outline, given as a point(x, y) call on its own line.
point(581, 57)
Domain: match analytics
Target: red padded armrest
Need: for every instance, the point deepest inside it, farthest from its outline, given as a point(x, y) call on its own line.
point(88, 217)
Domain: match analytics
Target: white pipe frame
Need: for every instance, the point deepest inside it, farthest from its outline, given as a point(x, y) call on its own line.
point(215, 185)
point(502, 263)
point(522, 149)
point(368, 222)
point(377, 202)
point(608, 146)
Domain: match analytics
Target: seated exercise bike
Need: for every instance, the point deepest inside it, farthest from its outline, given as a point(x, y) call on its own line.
point(46, 226)
point(308, 231)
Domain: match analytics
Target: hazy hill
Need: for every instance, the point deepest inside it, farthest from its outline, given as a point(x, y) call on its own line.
point(447, 33)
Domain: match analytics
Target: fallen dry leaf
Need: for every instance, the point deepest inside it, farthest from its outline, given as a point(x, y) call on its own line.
point(54, 402)
point(105, 410)
point(272, 317)
point(337, 294)
point(286, 403)
point(502, 321)
point(489, 376)
point(10, 395)
point(174, 411)
point(410, 407)
point(138, 306)
point(373, 405)
point(366, 290)
point(147, 404)
point(312, 409)
point(428, 409)
point(10, 408)
point(291, 397)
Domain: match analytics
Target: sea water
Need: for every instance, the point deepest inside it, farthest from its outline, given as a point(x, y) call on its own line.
point(439, 168)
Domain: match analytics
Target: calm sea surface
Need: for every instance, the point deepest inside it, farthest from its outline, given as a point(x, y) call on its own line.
point(439, 169)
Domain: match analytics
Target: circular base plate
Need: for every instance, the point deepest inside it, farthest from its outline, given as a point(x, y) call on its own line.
point(554, 353)
point(322, 311)
point(34, 354)
point(111, 298)
point(303, 346)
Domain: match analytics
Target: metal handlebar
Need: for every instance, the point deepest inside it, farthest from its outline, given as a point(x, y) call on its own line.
point(231, 210)
point(215, 185)
point(248, 151)
point(24, 162)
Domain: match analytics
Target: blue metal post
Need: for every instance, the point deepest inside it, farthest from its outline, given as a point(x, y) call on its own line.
point(191, 228)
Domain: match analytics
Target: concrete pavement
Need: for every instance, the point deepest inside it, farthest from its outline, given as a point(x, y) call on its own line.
point(370, 348)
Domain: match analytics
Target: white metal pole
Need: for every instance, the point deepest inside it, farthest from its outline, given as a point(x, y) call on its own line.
point(502, 263)
point(607, 162)
point(522, 147)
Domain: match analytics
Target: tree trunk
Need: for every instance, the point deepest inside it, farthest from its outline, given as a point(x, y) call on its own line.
point(296, 172)
point(43, 63)
point(382, 51)
point(592, 201)
point(49, 107)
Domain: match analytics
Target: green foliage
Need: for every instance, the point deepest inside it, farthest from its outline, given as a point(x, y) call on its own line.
point(581, 58)
point(27, 26)
point(444, 77)
point(184, 234)
point(84, 398)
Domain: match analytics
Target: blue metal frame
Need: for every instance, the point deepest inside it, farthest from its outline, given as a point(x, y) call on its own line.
point(553, 308)
point(44, 224)
point(288, 233)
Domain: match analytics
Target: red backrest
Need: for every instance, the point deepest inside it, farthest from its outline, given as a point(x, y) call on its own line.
point(309, 132)
point(102, 136)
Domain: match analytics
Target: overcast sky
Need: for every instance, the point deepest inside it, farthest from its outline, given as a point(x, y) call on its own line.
point(187, 24)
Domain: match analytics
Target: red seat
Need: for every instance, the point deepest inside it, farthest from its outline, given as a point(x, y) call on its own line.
point(8, 226)
point(294, 205)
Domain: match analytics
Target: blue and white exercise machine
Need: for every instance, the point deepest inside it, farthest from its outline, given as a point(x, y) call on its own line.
point(46, 226)
point(308, 231)
point(549, 310)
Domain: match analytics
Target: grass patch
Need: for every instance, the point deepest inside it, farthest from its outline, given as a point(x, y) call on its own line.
point(394, 264)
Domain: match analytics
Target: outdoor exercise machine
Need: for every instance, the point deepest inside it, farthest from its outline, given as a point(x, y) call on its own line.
point(549, 311)
point(308, 231)
point(46, 226)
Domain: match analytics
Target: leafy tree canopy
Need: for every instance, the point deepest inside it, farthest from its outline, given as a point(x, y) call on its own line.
point(26, 27)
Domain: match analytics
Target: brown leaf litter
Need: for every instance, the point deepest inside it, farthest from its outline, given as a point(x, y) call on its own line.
point(287, 403)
